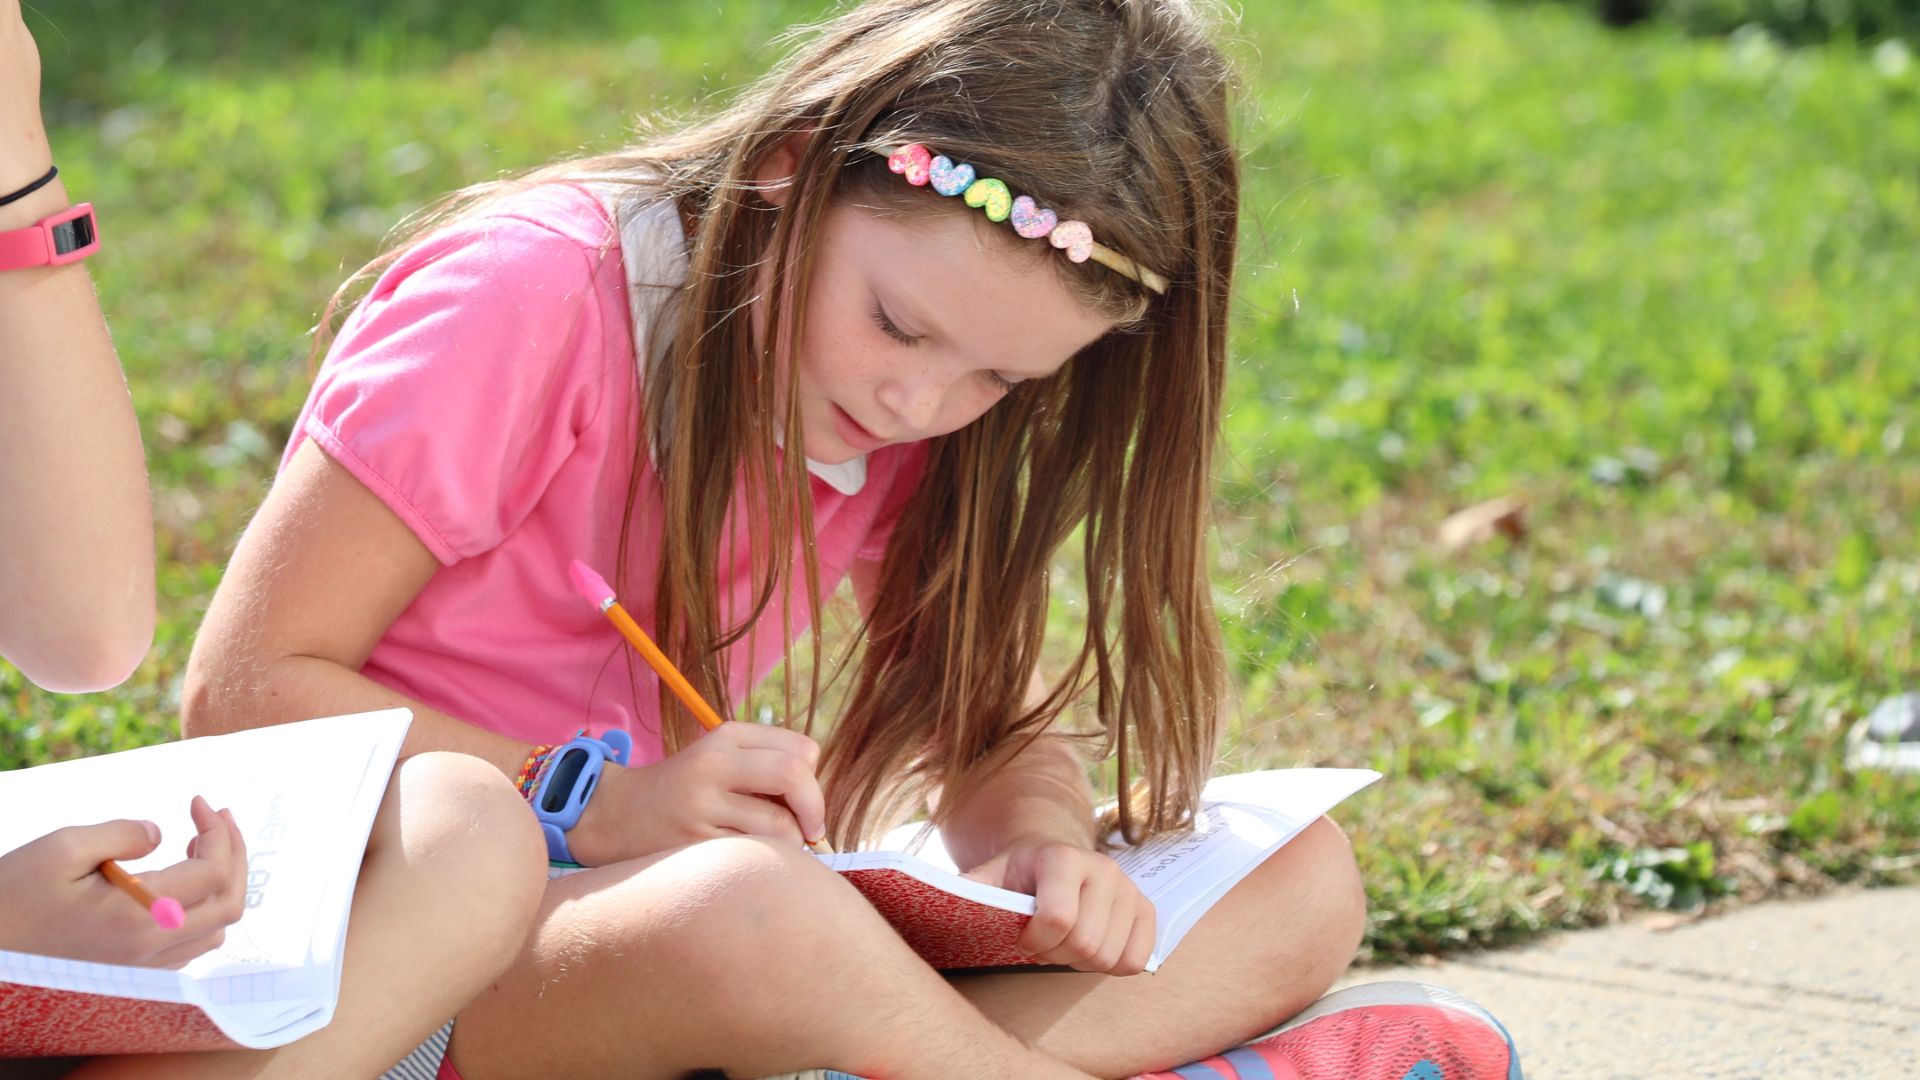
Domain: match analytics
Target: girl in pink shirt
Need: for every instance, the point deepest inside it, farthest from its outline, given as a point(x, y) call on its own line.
point(949, 284)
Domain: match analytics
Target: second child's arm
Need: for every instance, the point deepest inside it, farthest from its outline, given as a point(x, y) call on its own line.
point(76, 525)
point(322, 572)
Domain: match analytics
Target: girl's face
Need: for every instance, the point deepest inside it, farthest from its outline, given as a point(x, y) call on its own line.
point(919, 323)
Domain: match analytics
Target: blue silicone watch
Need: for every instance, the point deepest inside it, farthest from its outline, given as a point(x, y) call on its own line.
point(563, 792)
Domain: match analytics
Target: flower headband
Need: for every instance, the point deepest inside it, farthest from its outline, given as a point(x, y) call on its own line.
point(921, 166)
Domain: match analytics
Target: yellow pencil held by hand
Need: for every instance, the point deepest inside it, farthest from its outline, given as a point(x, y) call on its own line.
point(589, 584)
point(166, 911)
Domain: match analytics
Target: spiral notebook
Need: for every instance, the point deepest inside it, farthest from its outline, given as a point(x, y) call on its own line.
point(957, 924)
point(304, 795)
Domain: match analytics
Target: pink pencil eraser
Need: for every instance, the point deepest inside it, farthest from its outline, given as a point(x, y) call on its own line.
point(588, 583)
point(168, 913)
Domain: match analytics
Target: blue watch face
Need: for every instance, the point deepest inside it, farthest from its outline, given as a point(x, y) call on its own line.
point(566, 772)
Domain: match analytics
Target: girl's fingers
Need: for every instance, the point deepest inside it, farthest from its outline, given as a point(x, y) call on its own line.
point(754, 816)
point(768, 737)
point(1088, 938)
point(1133, 958)
point(769, 772)
point(1056, 908)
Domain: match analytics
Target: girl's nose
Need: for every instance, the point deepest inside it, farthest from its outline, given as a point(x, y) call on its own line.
point(914, 398)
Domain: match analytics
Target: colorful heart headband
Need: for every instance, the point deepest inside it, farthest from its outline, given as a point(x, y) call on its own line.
point(921, 166)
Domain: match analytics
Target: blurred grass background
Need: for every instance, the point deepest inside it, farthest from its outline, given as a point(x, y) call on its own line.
point(1658, 286)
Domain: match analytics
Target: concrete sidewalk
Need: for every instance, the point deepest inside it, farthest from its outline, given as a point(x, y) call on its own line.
point(1815, 988)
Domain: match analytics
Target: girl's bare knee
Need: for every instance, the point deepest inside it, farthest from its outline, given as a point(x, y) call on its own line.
point(1332, 899)
point(772, 905)
point(464, 818)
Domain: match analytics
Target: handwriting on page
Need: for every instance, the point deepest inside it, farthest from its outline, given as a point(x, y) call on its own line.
point(260, 862)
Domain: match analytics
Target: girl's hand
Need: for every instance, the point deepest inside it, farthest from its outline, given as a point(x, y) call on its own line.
point(733, 781)
point(1087, 915)
point(57, 903)
point(23, 139)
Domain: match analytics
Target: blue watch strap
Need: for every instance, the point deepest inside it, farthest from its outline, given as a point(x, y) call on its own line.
point(570, 780)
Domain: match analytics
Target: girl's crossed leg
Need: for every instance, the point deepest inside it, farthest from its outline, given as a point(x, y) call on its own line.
point(743, 956)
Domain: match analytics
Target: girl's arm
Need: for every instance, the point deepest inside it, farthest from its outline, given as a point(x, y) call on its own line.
point(320, 574)
point(323, 571)
point(1029, 827)
point(76, 534)
point(1041, 796)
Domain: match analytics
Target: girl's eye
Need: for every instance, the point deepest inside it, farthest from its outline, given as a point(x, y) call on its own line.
point(892, 331)
point(1001, 382)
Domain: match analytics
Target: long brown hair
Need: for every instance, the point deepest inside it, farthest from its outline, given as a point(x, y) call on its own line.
point(1110, 111)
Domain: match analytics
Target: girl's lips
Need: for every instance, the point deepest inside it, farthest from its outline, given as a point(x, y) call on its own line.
point(851, 433)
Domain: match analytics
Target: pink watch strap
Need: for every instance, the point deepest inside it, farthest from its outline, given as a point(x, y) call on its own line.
point(68, 236)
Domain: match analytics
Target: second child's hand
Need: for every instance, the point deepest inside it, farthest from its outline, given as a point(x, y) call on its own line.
point(732, 781)
point(58, 904)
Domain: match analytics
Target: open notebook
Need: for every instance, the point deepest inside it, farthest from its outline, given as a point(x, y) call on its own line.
point(955, 923)
point(303, 794)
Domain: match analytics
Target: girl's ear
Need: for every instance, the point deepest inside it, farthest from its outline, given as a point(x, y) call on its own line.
point(774, 177)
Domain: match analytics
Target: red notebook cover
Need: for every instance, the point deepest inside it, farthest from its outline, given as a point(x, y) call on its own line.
point(950, 932)
point(38, 1022)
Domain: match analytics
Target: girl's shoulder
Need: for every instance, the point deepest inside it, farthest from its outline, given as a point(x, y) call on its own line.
point(555, 220)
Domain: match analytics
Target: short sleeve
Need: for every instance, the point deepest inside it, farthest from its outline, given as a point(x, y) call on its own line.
point(909, 465)
point(459, 386)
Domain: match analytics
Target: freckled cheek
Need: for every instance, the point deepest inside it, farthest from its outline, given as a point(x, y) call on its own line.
point(965, 405)
point(834, 357)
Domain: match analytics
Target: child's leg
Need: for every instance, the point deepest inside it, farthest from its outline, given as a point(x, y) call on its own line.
point(453, 874)
point(735, 954)
point(1273, 945)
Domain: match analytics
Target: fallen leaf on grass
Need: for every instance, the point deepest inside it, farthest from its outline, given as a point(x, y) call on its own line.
point(1504, 516)
point(1670, 920)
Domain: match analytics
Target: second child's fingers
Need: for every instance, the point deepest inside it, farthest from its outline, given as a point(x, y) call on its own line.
point(239, 846)
point(191, 881)
point(179, 953)
point(82, 848)
point(214, 842)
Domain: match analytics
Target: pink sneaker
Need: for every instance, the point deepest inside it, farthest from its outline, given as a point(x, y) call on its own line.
point(1376, 1031)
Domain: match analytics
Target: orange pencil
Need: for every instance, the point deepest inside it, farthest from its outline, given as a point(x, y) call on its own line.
point(166, 911)
point(591, 585)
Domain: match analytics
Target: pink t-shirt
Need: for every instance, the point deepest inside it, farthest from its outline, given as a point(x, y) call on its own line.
point(487, 391)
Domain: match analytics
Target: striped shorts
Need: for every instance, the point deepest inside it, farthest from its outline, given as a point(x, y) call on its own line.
point(428, 1061)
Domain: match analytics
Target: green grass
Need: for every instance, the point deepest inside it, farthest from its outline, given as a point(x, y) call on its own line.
point(1658, 286)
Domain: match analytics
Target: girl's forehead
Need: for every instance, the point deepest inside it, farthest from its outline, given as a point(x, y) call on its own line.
point(999, 299)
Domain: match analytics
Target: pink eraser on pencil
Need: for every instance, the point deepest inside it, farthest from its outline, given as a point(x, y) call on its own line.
point(168, 913)
point(588, 583)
